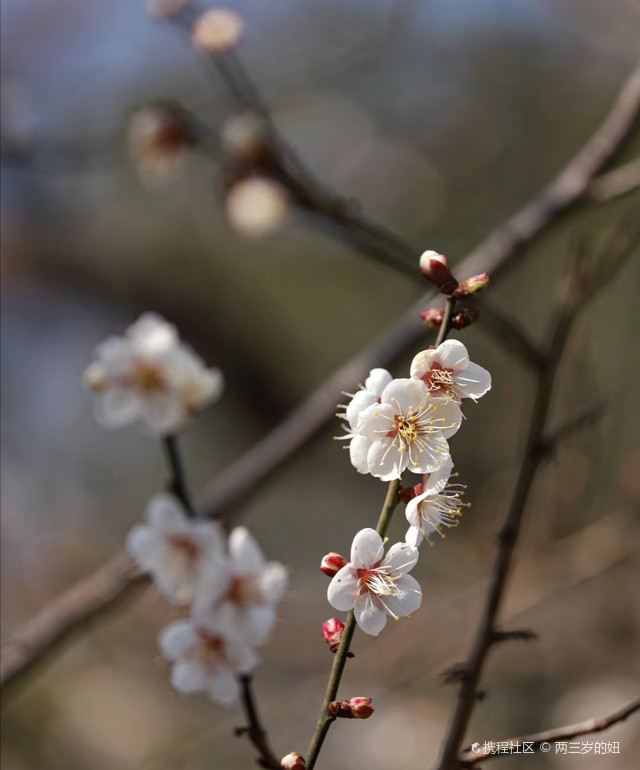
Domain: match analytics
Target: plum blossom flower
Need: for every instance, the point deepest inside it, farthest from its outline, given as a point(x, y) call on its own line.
point(149, 375)
point(368, 394)
point(437, 505)
point(407, 429)
point(180, 553)
point(375, 586)
point(206, 658)
point(447, 372)
point(254, 589)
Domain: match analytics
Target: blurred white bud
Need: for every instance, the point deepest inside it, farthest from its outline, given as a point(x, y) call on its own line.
point(217, 30)
point(158, 140)
point(244, 137)
point(257, 207)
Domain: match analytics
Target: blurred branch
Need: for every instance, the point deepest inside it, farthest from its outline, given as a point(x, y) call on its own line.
point(616, 183)
point(97, 594)
point(577, 292)
point(511, 335)
point(255, 731)
point(588, 727)
point(83, 604)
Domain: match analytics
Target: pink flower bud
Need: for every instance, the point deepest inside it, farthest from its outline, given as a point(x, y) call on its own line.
point(293, 761)
point(435, 267)
point(361, 707)
point(432, 318)
point(407, 494)
point(472, 286)
point(332, 563)
point(464, 318)
point(332, 632)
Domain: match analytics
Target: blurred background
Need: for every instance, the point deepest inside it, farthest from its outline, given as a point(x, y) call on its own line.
point(441, 117)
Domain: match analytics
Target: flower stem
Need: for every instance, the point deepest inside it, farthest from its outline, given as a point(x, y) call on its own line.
point(446, 321)
point(324, 721)
point(255, 731)
point(177, 483)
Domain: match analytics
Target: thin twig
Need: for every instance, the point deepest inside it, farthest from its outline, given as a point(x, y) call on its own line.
point(565, 733)
point(177, 483)
point(255, 731)
point(325, 720)
point(495, 255)
point(620, 181)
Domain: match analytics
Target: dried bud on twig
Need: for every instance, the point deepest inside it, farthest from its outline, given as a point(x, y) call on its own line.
point(331, 563)
point(464, 318)
point(472, 286)
point(217, 30)
point(432, 318)
point(293, 761)
point(435, 268)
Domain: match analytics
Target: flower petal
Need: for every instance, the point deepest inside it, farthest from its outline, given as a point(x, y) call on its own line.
point(384, 461)
point(421, 364)
point(367, 549)
point(188, 677)
point(343, 589)
point(408, 601)
point(474, 382)
point(273, 582)
point(165, 514)
point(144, 545)
point(177, 638)
point(414, 536)
point(358, 450)
point(116, 407)
point(405, 395)
point(371, 618)
point(361, 400)
point(438, 479)
point(446, 414)
point(376, 421)
point(452, 354)
point(246, 556)
point(377, 381)
point(401, 557)
point(223, 686)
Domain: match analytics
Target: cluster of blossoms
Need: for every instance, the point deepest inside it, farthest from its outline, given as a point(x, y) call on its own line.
point(233, 592)
point(395, 425)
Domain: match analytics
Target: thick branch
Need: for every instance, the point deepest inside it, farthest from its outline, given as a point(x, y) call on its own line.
point(95, 595)
point(565, 733)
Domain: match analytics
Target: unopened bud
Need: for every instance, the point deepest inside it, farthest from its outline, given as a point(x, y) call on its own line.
point(159, 137)
point(332, 563)
point(257, 206)
point(472, 286)
point(465, 318)
point(217, 30)
point(361, 707)
point(435, 267)
point(293, 761)
point(332, 631)
point(244, 139)
point(432, 318)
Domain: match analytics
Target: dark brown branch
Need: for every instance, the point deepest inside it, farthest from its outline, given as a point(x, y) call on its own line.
point(177, 483)
point(565, 733)
point(95, 595)
point(255, 731)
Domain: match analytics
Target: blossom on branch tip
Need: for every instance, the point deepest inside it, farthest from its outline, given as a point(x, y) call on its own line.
point(368, 394)
point(472, 286)
point(206, 658)
point(407, 429)
point(361, 707)
point(253, 591)
point(438, 505)
point(180, 553)
point(375, 585)
point(447, 372)
point(432, 318)
point(149, 375)
point(217, 30)
point(435, 267)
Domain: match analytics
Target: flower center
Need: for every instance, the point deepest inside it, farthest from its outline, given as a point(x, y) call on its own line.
point(442, 510)
point(148, 377)
point(244, 591)
point(406, 428)
point(440, 380)
point(186, 546)
point(211, 649)
point(378, 580)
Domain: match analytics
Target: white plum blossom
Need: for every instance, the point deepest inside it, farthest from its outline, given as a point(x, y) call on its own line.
point(438, 504)
point(376, 586)
point(207, 658)
point(180, 553)
point(253, 591)
point(407, 429)
point(447, 372)
point(149, 375)
point(369, 393)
